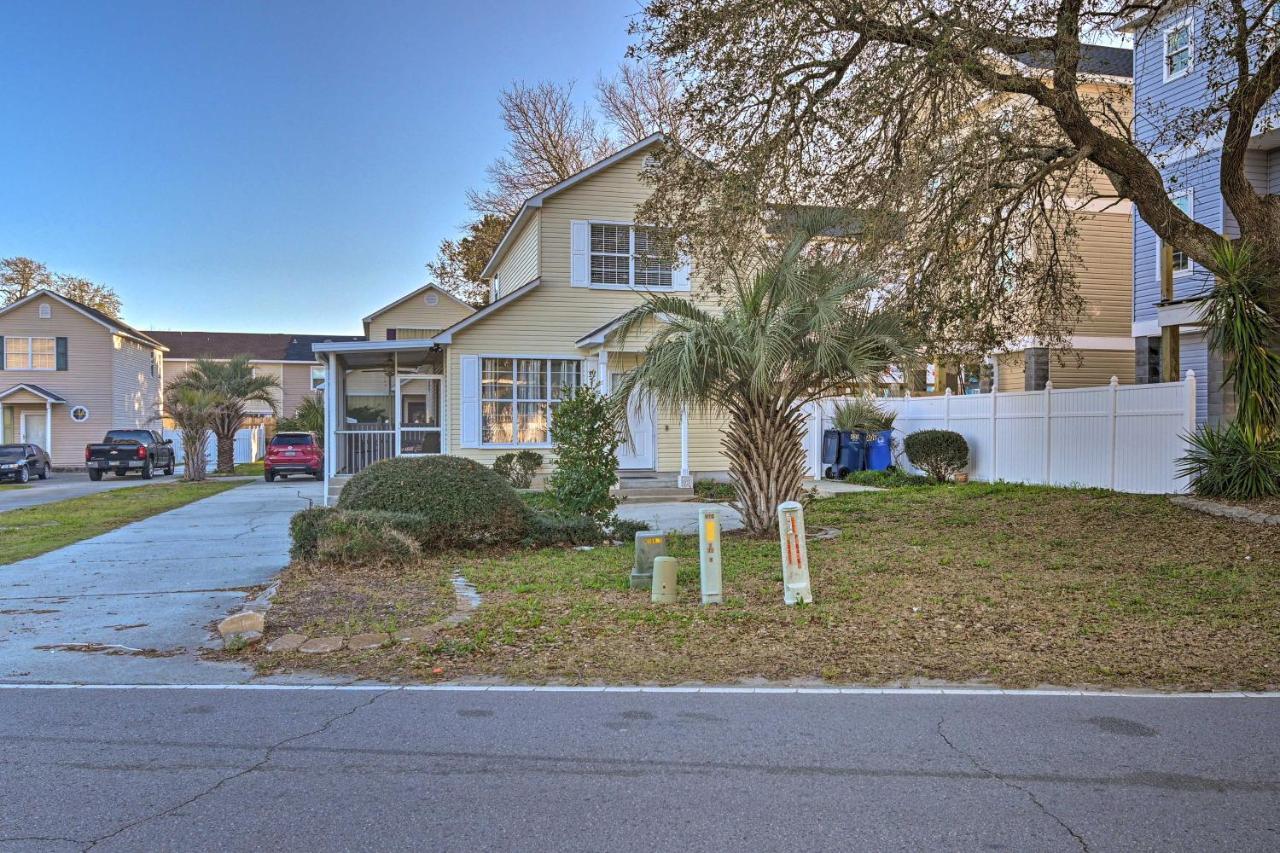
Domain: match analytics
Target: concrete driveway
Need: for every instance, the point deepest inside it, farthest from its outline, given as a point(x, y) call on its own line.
point(677, 516)
point(64, 485)
point(142, 597)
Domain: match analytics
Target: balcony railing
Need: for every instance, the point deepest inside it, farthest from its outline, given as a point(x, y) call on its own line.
point(357, 449)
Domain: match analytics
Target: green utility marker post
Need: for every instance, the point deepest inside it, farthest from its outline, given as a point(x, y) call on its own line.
point(649, 544)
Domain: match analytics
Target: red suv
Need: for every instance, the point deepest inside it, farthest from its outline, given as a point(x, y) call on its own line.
point(293, 453)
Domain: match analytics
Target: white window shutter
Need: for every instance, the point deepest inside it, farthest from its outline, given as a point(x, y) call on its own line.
point(579, 253)
point(470, 422)
point(680, 275)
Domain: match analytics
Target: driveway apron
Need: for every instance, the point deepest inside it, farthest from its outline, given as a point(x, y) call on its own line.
point(135, 605)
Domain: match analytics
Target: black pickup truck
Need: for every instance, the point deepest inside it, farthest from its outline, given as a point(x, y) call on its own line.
point(125, 450)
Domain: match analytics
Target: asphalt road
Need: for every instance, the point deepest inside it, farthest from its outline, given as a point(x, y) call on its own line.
point(321, 770)
point(64, 485)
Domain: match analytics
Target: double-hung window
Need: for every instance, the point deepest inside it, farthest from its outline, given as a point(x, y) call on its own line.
point(627, 256)
point(1180, 262)
point(519, 396)
point(30, 354)
point(317, 378)
point(1178, 50)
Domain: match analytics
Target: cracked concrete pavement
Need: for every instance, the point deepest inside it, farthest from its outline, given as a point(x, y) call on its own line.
point(317, 769)
point(144, 594)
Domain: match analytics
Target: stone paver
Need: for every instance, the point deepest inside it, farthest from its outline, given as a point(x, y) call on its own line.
point(286, 643)
point(242, 622)
point(364, 642)
point(321, 645)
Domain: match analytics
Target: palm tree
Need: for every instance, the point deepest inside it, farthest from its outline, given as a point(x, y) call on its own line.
point(235, 384)
point(799, 330)
point(308, 417)
point(192, 410)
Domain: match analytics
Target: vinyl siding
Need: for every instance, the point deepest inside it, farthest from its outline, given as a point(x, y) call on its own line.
point(1077, 368)
point(136, 379)
point(88, 381)
point(520, 266)
point(549, 320)
point(297, 387)
point(415, 313)
point(1105, 244)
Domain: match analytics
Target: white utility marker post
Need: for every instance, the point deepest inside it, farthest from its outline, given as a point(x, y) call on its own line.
point(709, 548)
point(795, 554)
point(664, 581)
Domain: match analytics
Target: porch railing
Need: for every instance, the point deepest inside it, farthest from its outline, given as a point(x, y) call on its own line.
point(357, 449)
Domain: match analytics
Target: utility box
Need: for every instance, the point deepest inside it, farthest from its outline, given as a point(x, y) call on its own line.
point(649, 545)
point(664, 581)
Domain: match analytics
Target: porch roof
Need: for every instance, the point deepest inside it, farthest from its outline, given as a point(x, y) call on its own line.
point(42, 393)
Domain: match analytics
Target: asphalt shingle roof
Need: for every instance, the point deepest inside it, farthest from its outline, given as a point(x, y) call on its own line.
point(260, 346)
point(1094, 59)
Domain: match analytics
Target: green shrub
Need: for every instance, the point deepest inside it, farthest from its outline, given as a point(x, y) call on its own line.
point(518, 468)
point(453, 501)
point(893, 478)
point(584, 433)
point(347, 536)
point(714, 490)
point(938, 452)
point(862, 415)
point(1232, 462)
point(548, 529)
point(625, 529)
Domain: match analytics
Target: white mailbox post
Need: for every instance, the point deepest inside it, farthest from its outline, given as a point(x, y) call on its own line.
point(795, 554)
point(709, 548)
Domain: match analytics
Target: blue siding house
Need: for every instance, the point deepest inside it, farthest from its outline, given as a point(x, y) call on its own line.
point(1170, 81)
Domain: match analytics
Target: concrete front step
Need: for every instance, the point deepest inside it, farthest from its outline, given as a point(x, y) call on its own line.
point(657, 495)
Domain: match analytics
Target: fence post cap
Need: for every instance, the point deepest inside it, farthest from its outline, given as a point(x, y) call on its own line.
point(947, 393)
point(1191, 374)
point(1115, 380)
point(1048, 385)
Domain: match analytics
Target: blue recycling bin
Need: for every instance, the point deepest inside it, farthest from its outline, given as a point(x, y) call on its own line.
point(852, 457)
point(880, 450)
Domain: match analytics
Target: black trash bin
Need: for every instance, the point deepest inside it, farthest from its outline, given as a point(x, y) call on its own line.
point(830, 452)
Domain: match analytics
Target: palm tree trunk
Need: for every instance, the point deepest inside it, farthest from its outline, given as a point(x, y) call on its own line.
point(193, 446)
point(766, 461)
point(226, 452)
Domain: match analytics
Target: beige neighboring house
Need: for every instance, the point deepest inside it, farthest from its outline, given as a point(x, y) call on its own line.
point(287, 358)
point(571, 264)
point(70, 373)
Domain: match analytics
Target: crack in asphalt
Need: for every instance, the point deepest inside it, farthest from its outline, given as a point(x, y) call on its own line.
point(1079, 839)
point(266, 757)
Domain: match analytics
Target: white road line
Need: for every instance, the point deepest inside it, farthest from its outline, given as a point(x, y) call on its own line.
point(557, 688)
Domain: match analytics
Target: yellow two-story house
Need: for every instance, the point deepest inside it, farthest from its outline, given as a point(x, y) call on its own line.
point(479, 383)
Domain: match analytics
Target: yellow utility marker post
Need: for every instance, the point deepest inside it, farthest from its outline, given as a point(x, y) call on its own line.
point(709, 549)
point(795, 554)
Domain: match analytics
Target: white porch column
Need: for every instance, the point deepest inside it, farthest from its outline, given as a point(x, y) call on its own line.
point(686, 479)
point(48, 428)
point(395, 393)
point(602, 371)
point(330, 416)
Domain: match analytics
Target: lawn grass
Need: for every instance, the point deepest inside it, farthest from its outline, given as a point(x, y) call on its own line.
point(35, 530)
point(243, 469)
point(1011, 585)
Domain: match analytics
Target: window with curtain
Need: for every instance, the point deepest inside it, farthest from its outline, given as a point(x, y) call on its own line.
point(518, 397)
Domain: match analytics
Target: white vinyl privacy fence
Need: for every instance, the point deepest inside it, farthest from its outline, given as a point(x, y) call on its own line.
point(250, 446)
point(1123, 437)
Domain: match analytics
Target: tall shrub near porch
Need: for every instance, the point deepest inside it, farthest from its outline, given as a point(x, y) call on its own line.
point(585, 436)
point(801, 329)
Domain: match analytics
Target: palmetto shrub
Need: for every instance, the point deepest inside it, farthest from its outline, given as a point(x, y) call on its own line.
point(1232, 462)
point(862, 415)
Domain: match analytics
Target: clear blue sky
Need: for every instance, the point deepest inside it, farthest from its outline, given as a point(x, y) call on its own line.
point(265, 166)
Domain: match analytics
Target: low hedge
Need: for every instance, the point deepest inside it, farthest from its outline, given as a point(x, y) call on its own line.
point(345, 536)
point(454, 501)
point(547, 529)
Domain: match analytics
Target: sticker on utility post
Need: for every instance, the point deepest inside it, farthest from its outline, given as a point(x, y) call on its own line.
point(795, 554)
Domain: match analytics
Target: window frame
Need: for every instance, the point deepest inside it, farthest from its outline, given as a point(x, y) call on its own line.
point(31, 352)
point(1188, 23)
point(631, 227)
point(324, 374)
point(1189, 194)
point(548, 401)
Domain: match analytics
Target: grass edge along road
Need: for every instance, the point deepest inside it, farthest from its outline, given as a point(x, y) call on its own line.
point(36, 530)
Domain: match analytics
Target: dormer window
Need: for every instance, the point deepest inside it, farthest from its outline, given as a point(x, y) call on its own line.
point(1178, 50)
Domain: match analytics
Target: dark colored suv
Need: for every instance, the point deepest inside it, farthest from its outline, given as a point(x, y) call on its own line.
point(293, 453)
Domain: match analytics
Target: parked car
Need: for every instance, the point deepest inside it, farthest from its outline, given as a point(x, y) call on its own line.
point(293, 453)
point(20, 461)
point(125, 450)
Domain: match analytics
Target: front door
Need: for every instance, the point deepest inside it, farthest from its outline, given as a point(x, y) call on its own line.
point(637, 454)
point(33, 429)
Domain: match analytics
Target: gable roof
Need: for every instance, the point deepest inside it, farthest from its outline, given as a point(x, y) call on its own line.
point(446, 337)
point(258, 346)
point(1094, 59)
point(119, 327)
point(33, 389)
point(535, 202)
point(428, 286)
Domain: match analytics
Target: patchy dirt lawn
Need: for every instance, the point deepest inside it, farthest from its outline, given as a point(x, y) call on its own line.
point(1012, 585)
